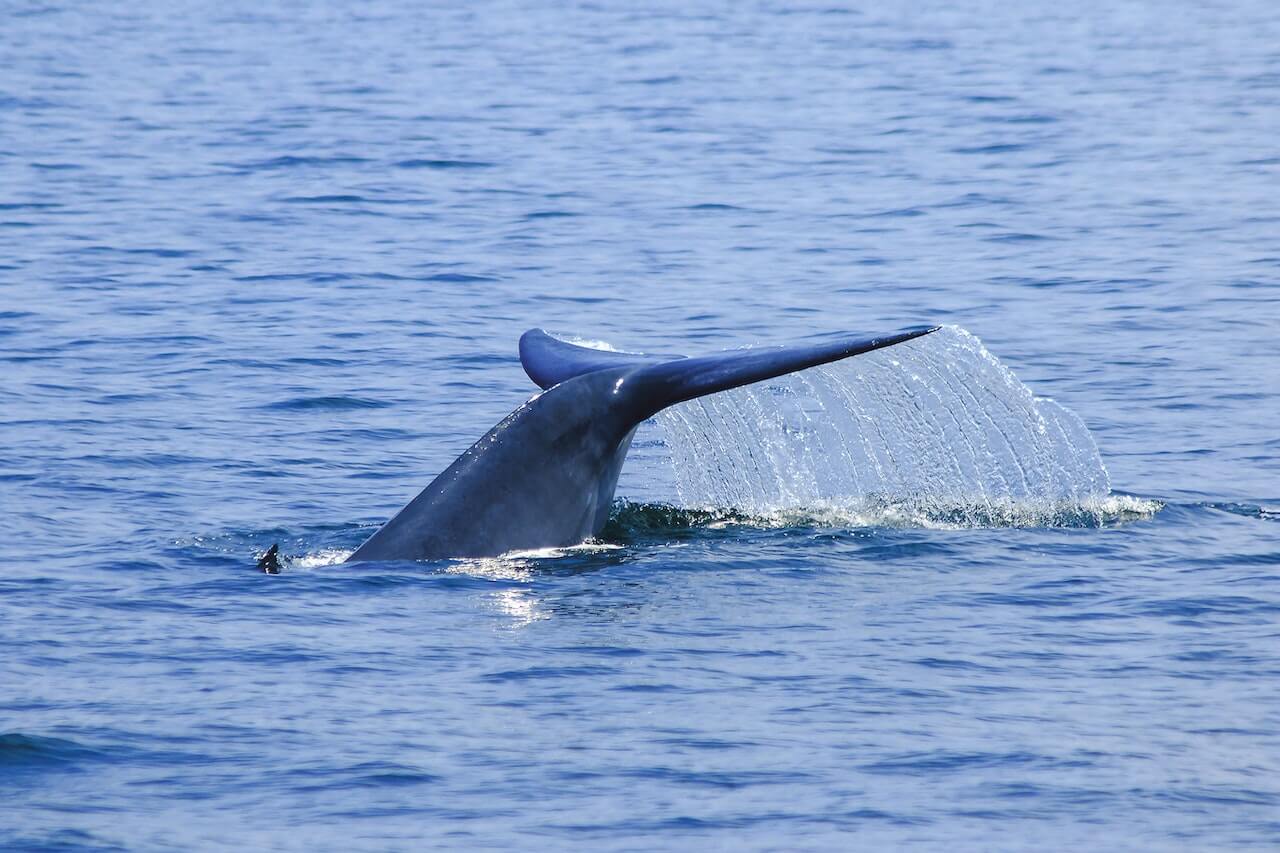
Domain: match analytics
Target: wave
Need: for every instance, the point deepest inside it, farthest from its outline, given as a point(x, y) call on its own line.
point(19, 750)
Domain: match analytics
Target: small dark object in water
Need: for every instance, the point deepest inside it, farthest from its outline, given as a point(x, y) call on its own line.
point(270, 561)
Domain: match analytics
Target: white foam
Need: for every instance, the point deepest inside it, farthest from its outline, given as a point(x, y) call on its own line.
point(325, 557)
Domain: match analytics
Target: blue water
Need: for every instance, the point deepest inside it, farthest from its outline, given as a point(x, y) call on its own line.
point(262, 271)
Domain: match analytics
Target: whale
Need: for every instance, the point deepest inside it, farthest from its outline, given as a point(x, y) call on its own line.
point(545, 475)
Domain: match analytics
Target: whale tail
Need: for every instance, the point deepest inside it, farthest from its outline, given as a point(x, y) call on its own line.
point(545, 475)
point(655, 383)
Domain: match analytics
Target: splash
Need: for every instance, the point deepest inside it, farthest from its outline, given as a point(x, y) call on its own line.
point(319, 559)
point(514, 565)
point(934, 432)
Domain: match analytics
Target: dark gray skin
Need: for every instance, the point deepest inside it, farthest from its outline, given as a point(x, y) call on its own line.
point(544, 477)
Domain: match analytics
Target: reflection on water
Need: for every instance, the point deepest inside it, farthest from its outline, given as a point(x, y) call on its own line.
point(521, 604)
point(493, 568)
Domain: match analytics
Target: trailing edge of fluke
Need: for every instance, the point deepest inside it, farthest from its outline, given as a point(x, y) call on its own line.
point(545, 475)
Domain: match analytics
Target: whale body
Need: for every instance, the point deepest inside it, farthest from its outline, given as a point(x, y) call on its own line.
point(545, 476)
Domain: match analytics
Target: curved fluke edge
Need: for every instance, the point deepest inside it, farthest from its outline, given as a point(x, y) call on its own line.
point(544, 477)
point(548, 360)
point(655, 387)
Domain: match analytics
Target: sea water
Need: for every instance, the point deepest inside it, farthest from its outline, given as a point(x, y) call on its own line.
point(1014, 585)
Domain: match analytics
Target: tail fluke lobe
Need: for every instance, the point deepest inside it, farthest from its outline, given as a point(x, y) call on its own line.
point(667, 380)
point(549, 361)
point(653, 388)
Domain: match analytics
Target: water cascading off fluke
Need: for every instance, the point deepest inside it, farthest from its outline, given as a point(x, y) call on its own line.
point(932, 432)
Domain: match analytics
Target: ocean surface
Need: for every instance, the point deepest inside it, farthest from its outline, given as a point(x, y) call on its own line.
point(1016, 585)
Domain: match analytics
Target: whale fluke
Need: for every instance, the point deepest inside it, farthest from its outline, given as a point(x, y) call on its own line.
point(549, 361)
point(544, 477)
